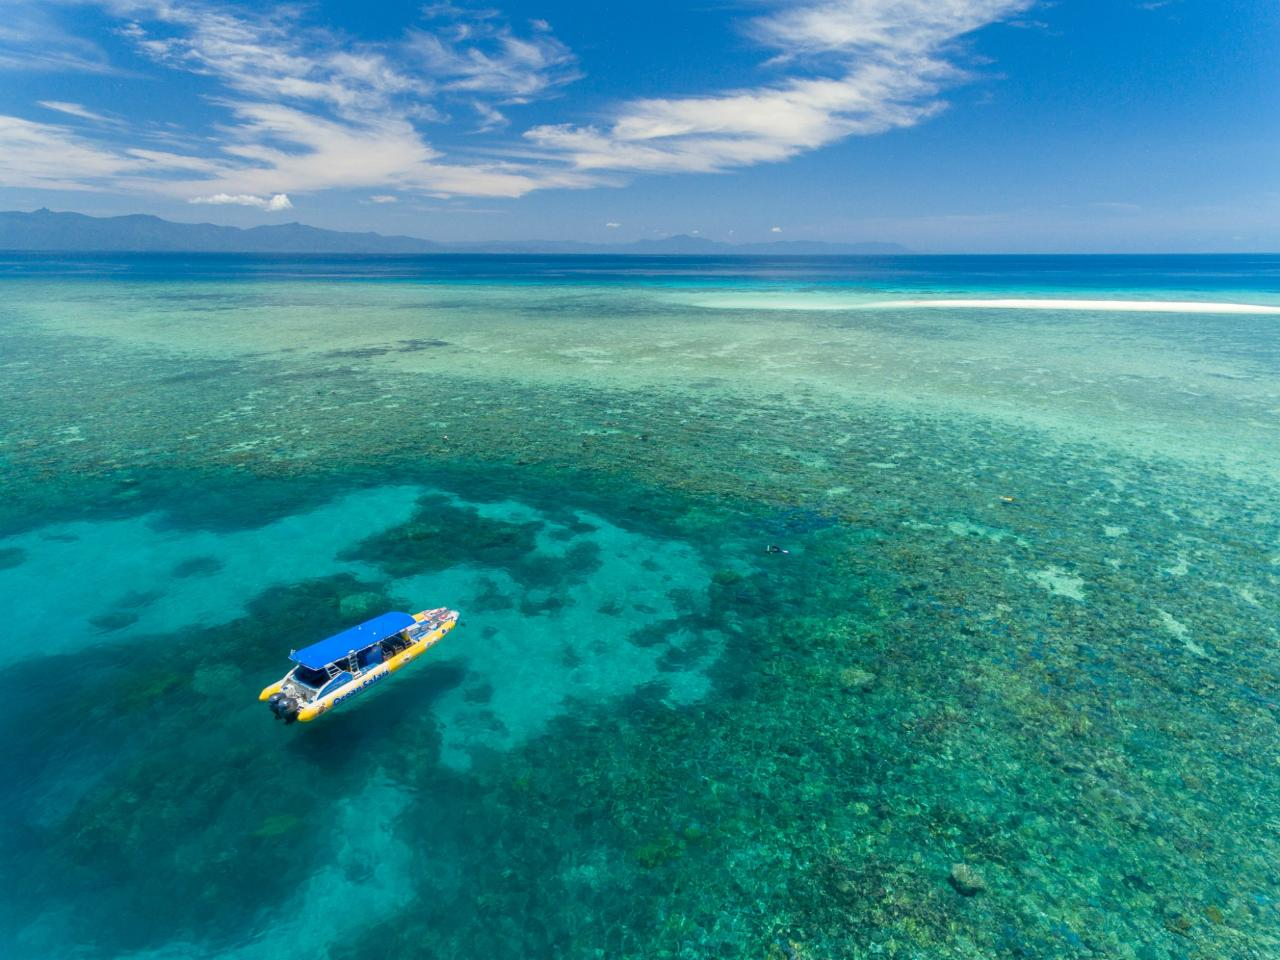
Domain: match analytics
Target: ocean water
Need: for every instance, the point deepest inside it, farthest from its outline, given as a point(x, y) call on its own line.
point(1013, 689)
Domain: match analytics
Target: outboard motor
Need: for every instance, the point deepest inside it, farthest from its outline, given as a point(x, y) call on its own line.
point(283, 706)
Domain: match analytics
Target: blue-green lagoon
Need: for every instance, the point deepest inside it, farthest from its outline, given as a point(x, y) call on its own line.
point(1013, 690)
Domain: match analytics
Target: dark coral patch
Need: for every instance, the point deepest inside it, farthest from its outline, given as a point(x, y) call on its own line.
point(196, 567)
point(441, 535)
point(114, 620)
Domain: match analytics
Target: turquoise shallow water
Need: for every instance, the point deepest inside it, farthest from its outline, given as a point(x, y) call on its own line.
point(1027, 623)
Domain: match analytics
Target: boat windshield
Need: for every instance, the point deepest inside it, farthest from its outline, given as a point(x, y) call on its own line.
point(311, 678)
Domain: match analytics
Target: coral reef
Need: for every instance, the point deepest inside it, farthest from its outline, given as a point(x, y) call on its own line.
point(1009, 693)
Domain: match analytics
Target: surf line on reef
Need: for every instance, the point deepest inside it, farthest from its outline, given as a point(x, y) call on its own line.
point(1122, 306)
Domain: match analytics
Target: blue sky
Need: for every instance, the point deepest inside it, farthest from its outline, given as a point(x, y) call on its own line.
point(947, 125)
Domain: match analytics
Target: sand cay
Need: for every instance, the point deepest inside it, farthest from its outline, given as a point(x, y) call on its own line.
point(1111, 306)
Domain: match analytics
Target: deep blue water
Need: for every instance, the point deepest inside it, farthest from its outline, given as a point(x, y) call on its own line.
point(1201, 274)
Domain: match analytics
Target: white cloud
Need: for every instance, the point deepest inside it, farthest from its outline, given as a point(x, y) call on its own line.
point(481, 54)
point(74, 110)
point(491, 118)
point(272, 56)
point(53, 157)
point(273, 145)
point(384, 198)
point(859, 67)
point(877, 27)
point(775, 229)
point(307, 109)
point(278, 56)
point(32, 40)
point(272, 204)
point(613, 225)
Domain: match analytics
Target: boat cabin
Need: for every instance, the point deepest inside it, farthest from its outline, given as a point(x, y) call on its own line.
point(344, 656)
point(332, 670)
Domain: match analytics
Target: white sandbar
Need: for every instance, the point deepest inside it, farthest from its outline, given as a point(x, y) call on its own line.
point(1124, 306)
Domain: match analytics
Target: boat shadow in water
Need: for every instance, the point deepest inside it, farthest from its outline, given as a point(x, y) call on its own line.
point(402, 707)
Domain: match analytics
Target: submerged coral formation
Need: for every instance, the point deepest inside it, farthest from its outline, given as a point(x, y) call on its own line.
point(1001, 691)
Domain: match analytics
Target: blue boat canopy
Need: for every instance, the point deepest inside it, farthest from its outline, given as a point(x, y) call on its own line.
point(320, 655)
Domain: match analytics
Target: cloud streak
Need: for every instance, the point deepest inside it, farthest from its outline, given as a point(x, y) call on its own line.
point(304, 110)
point(272, 204)
point(33, 41)
point(307, 110)
point(74, 110)
point(853, 67)
point(483, 55)
point(52, 157)
point(274, 56)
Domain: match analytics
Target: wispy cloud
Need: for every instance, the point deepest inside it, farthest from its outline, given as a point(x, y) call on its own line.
point(270, 56)
point(477, 52)
point(33, 40)
point(272, 147)
point(850, 67)
point(303, 109)
point(272, 204)
point(74, 110)
point(53, 157)
point(1041, 26)
point(307, 109)
point(384, 198)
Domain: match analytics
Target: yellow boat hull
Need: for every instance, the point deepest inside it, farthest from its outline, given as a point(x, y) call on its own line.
point(368, 677)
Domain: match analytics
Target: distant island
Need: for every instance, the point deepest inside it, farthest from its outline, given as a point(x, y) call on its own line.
point(47, 230)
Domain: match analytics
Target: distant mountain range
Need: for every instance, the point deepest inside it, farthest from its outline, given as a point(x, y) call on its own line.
point(139, 233)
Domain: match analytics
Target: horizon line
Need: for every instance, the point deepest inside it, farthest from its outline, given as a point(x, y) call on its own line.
point(905, 252)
